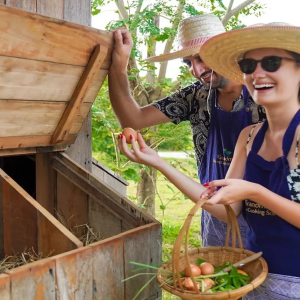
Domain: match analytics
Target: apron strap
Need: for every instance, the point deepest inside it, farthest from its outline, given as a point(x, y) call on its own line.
point(246, 96)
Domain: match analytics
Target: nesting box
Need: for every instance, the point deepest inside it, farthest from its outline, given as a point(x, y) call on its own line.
point(50, 73)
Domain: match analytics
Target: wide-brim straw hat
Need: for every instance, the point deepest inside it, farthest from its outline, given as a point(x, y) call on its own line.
point(222, 53)
point(193, 32)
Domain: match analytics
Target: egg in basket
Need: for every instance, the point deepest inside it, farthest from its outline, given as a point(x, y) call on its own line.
point(182, 277)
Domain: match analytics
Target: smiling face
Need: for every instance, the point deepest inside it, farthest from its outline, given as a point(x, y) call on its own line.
point(200, 71)
point(273, 87)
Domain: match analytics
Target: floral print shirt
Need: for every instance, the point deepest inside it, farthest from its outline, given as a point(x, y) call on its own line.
point(192, 104)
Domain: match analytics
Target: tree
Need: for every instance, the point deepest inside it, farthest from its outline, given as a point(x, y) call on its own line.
point(143, 21)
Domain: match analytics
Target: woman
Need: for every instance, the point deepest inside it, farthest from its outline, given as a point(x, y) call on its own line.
point(265, 167)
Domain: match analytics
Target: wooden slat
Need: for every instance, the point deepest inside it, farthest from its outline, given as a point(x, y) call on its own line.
point(53, 8)
point(29, 5)
point(107, 191)
point(136, 240)
point(34, 281)
point(27, 118)
point(20, 213)
point(30, 141)
point(42, 38)
point(83, 87)
point(26, 151)
point(4, 287)
point(72, 205)
point(79, 11)
point(22, 79)
point(19, 218)
point(92, 191)
point(74, 273)
point(109, 255)
point(45, 181)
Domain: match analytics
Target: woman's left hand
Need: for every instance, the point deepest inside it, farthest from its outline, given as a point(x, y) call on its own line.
point(231, 191)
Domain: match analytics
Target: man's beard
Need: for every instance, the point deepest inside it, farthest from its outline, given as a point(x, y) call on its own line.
point(218, 82)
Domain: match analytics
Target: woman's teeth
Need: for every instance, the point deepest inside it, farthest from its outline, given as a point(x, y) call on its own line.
point(263, 86)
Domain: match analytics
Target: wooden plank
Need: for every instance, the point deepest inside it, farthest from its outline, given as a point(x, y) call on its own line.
point(19, 218)
point(74, 273)
point(79, 11)
point(22, 79)
point(30, 141)
point(108, 264)
point(72, 205)
point(102, 220)
point(24, 118)
point(105, 189)
point(29, 5)
point(10, 152)
point(34, 281)
point(4, 287)
point(45, 182)
point(53, 8)
point(114, 202)
point(20, 213)
point(138, 239)
point(84, 85)
point(92, 191)
point(42, 38)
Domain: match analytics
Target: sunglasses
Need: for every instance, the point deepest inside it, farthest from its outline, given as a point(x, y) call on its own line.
point(268, 63)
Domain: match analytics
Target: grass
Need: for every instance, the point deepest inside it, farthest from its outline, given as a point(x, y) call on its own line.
point(176, 208)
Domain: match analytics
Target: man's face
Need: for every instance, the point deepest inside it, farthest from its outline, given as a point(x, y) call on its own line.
point(200, 71)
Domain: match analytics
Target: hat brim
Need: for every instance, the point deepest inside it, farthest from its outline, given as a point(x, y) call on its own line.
point(173, 55)
point(222, 52)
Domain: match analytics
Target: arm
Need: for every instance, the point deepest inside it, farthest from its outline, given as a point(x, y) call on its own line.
point(235, 190)
point(125, 107)
point(236, 170)
point(147, 156)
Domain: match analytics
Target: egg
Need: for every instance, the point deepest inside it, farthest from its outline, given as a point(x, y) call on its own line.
point(195, 271)
point(242, 272)
point(127, 132)
point(207, 268)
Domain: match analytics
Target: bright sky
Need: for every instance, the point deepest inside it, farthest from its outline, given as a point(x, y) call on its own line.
point(275, 11)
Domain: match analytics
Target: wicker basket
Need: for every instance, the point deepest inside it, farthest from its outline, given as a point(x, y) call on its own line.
point(217, 256)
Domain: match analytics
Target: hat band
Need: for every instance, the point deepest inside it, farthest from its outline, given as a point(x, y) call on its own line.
point(197, 41)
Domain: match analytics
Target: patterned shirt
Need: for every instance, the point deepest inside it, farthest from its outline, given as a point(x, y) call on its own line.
point(191, 103)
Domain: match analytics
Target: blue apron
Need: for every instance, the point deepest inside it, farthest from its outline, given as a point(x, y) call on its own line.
point(277, 239)
point(224, 131)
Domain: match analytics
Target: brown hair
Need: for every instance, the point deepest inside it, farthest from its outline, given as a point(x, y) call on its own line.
point(296, 56)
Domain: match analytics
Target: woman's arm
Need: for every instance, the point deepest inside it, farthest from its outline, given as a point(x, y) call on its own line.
point(147, 156)
point(236, 171)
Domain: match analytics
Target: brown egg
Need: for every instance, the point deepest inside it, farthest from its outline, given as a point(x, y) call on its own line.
point(207, 268)
point(127, 132)
point(195, 271)
point(242, 272)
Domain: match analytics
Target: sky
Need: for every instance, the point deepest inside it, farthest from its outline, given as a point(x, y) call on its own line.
point(276, 11)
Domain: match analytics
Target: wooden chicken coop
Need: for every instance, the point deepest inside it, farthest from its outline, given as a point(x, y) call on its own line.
point(52, 65)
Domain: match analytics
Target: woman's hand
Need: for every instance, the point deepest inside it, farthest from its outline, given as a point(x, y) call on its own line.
point(231, 191)
point(142, 154)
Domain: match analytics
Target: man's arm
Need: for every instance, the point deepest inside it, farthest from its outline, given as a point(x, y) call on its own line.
point(125, 107)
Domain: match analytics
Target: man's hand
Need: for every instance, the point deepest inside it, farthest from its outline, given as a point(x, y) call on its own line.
point(123, 46)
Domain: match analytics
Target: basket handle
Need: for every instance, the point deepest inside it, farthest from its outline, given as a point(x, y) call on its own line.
point(231, 224)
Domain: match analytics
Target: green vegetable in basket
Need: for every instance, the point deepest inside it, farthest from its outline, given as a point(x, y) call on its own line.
point(200, 261)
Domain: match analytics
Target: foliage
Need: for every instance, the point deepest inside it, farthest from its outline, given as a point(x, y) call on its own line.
point(141, 22)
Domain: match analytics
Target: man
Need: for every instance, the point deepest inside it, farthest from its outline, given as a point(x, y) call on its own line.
point(217, 108)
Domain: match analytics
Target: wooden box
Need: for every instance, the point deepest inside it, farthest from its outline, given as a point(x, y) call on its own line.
point(50, 73)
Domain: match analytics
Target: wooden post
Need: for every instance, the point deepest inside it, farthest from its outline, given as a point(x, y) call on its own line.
point(79, 11)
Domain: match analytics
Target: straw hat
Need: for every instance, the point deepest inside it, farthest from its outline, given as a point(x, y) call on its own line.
point(222, 53)
point(192, 33)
